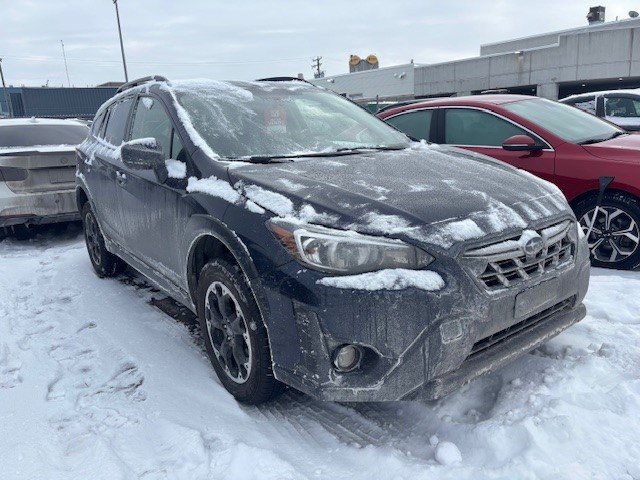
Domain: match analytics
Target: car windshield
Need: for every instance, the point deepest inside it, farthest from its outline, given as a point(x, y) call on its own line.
point(41, 135)
point(569, 123)
point(280, 119)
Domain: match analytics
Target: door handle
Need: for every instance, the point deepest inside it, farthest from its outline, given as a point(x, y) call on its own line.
point(121, 179)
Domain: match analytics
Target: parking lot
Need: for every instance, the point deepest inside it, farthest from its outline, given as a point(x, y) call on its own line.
point(99, 381)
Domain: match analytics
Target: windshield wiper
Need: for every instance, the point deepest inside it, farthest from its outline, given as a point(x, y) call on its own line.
point(290, 157)
point(269, 158)
point(365, 149)
point(598, 140)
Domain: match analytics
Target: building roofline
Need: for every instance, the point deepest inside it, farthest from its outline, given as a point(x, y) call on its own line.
point(352, 74)
point(613, 25)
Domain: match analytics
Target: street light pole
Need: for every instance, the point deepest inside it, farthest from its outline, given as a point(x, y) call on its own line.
point(124, 61)
point(6, 94)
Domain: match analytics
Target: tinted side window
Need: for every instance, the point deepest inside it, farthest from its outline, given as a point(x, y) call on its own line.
point(97, 123)
point(474, 127)
point(415, 124)
point(151, 121)
point(177, 149)
point(118, 115)
point(621, 107)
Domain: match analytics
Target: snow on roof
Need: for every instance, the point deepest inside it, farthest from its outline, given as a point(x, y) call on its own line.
point(632, 91)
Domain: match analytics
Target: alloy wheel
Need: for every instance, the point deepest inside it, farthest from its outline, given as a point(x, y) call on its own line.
point(613, 236)
point(227, 330)
point(92, 237)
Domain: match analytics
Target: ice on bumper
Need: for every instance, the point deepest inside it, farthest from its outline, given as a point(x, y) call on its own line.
point(389, 279)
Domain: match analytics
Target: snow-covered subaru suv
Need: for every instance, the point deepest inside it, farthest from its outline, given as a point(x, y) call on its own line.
point(320, 247)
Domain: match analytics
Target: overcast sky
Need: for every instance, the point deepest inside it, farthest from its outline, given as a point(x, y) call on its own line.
point(248, 39)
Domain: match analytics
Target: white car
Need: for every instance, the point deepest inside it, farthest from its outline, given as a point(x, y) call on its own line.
point(621, 107)
point(37, 171)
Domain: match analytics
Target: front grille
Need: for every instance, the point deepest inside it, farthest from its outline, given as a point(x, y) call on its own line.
point(505, 263)
point(525, 324)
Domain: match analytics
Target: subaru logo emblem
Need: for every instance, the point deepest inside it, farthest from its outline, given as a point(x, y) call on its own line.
point(533, 246)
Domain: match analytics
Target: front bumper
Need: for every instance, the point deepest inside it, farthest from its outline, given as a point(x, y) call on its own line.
point(420, 342)
point(37, 207)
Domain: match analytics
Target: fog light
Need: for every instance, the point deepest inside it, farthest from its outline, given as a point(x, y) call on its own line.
point(346, 358)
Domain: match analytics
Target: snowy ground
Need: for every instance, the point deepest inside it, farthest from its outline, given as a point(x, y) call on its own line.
point(97, 383)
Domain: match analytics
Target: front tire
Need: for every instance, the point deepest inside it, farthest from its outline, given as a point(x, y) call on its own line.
point(614, 235)
point(234, 334)
point(104, 263)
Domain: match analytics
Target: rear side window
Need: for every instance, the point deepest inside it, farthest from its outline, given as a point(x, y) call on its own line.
point(97, 123)
point(587, 104)
point(474, 127)
point(416, 124)
point(118, 115)
point(151, 121)
point(624, 107)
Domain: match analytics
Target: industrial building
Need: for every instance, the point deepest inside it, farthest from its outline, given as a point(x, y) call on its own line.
point(553, 65)
point(54, 102)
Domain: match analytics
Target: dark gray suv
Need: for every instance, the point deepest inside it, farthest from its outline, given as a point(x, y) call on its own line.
point(320, 247)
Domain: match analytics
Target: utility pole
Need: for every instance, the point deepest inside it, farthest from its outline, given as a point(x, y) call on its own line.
point(124, 61)
point(316, 66)
point(7, 98)
point(66, 69)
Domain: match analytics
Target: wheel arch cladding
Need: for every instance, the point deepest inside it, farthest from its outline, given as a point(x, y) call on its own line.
point(81, 198)
point(211, 239)
point(594, 194)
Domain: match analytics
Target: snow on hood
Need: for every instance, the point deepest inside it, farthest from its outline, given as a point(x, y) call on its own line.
point(434, 194)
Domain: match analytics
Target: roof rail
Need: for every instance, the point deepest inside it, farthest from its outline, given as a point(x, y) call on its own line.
point(284, 79)
point(141, 81)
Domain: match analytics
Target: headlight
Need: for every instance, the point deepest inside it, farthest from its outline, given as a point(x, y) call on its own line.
point(344, 251)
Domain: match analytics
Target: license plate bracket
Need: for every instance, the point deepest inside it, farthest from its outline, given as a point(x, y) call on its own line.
point(536, 298)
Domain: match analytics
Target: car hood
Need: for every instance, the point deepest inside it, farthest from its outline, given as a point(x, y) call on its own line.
point(625, 148)
point(437, 195)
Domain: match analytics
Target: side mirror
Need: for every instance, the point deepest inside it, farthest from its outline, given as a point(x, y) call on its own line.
point(521, 143)
point(145, 156)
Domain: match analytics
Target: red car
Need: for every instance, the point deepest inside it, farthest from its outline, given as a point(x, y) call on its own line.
point(557, 142)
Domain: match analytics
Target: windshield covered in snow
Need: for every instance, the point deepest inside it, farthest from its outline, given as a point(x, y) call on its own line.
point(41, 135)
point(274, 119)
point(569, 123)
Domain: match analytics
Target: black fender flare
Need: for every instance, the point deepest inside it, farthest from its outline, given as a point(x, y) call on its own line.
point(202, 225)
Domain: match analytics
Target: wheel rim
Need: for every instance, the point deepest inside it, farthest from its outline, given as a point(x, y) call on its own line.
point(613, 236)
point(92, 237)
point(228, 334)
